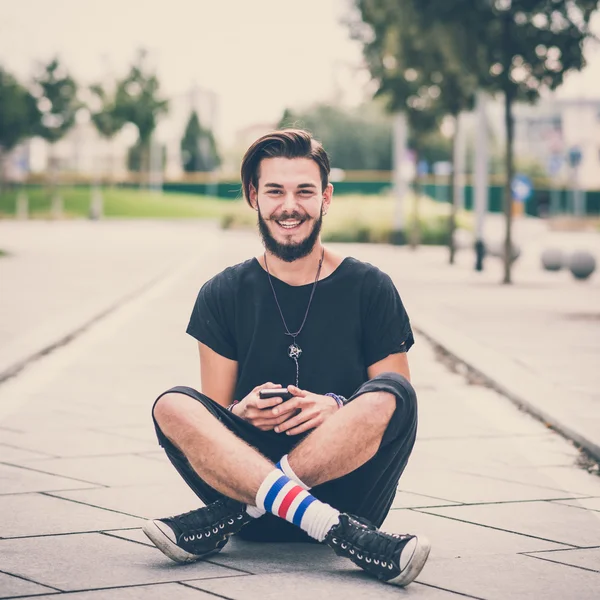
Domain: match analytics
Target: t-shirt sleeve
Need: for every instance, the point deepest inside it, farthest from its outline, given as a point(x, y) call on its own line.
point(386, 328)
point(212, 317)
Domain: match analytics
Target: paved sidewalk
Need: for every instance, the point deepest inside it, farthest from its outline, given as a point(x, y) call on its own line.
point(509, 513)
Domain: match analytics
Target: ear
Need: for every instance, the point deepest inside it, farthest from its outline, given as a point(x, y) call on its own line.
point(327, 195)
point(253, 197)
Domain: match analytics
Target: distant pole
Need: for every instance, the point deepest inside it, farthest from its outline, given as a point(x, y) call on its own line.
point(460, 155)
point(481, 178)
point(22, 212)
point(399, 142)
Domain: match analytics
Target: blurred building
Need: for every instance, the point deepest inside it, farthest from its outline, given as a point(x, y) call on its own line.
point(552, 132)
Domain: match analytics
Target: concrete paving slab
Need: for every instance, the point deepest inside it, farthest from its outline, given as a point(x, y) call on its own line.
point(473, 487)
point(143, 501)
point(409, 500)
point(132, 535)
point(451, 539)
point(258, 558)
point(158, 591)
point(81, 442)
point(17, 480)
point(351, 583)
point(568, 481)
point(111, 470)
point(10, 587)
point(12, 453)
point(586, 503)
point(584, 558)
point(136, 432)
point(38, 514)
point(546, 520)
point(517, 577)
point(92, 560)
point(521, 452)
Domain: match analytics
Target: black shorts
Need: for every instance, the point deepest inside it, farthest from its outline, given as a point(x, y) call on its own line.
point(366, 492)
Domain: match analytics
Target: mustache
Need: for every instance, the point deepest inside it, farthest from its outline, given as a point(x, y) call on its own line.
point(296, 216)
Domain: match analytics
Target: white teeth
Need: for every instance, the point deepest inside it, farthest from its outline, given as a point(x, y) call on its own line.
point(289, 224)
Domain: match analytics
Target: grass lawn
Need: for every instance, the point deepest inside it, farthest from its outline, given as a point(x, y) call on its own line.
point(350, 218)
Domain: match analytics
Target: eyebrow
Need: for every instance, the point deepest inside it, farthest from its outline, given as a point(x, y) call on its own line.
point(300, 186)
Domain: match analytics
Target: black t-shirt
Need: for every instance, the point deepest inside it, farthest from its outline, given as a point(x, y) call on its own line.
point(356, 319)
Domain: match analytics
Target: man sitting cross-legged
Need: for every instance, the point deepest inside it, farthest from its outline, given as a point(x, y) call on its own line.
point(324, 464)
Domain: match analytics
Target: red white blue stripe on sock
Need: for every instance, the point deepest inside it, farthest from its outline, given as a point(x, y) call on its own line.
point(284, 498)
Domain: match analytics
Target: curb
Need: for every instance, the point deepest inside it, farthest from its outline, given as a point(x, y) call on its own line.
point(513, 381)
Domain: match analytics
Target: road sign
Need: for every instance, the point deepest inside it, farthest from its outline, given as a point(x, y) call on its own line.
point(555, 164)
point(522, 187)
point(575, 156)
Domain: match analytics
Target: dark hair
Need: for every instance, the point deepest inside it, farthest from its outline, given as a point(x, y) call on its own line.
point(285, 143)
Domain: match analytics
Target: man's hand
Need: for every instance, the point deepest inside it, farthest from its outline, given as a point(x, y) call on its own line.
point(311, 409)
point(258, 412)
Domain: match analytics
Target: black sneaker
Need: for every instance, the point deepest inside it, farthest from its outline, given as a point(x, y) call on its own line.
point(198, 533)
point(391, 557)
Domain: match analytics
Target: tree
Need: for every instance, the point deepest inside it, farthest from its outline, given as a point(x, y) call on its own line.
point(198, 147)
point(137, 101)
point(19, 115)
point(57, 101)
point(408, 60)
point(355, 139)
point(517, 48)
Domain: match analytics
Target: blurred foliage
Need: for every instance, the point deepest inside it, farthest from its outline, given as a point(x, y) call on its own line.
point(57, 100)
point(106, 117)
point(138, 101)
point(360, 139)
point(19, 114)
point(516, 47)
point(198, 147)
point(136, 155)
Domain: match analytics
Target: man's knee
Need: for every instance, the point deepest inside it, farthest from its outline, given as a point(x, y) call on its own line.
point(172, 408)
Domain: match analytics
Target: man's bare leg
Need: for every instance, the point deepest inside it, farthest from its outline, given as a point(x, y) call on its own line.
point(329, 452)
point(237, 470)
point(218, 456)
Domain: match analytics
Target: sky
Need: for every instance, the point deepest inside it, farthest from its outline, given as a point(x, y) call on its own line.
point(257, 56)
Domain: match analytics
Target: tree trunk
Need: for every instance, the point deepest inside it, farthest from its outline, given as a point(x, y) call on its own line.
point(415, 229)
point(508, 196)
point(454, 197)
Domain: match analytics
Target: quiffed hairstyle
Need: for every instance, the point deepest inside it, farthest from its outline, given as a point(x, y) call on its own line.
point(286, 143)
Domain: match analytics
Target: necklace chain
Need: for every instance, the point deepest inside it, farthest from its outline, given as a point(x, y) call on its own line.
point(294, 351)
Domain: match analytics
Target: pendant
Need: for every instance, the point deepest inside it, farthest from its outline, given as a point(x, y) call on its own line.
point(294, 351)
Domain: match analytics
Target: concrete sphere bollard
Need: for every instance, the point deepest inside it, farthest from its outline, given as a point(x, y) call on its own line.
point(553, 259)
point(582, 264)
point(496, 248)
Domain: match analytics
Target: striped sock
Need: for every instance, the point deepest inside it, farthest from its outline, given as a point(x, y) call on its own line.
point(284, 466)
point(286, 499)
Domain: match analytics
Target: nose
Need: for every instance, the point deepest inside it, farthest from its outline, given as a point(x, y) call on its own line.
point(289, 202)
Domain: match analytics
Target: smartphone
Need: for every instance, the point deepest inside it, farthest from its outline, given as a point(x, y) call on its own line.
point(275, 393)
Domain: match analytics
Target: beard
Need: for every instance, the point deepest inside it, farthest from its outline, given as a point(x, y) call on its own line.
point(291, 251)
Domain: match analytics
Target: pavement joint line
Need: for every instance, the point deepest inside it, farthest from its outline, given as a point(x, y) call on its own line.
point(560, 550)
point(109, 533)
point(534, 485)
point(558, 562)
point(529, 407)
point(30, 581)
point(494, 502)
point(52, 495)
point(63, 533)
point(14, 369)
point(494, 436)
point(192, 587)
point(535, 537)
point(45, 456)
point(437, 587)
point(8, 464)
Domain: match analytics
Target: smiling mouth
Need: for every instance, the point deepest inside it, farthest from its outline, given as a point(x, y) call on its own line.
point(290, 224)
